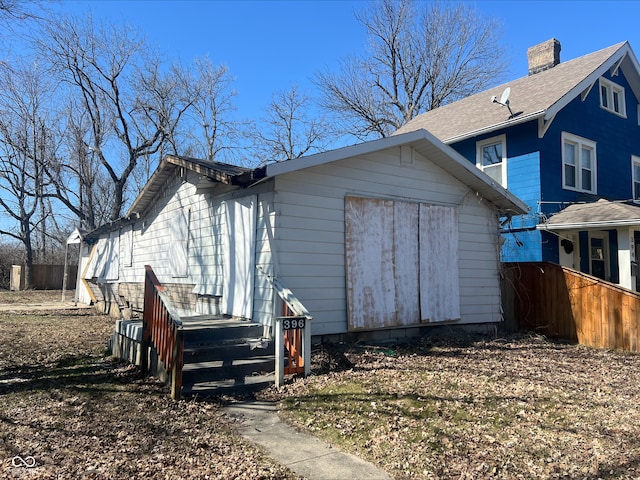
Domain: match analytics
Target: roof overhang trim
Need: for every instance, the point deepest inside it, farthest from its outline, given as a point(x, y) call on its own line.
point(429, 147)
point(590, 225)
point(492, 128)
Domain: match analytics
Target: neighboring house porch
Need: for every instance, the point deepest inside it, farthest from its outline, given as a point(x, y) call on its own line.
point(600, 238)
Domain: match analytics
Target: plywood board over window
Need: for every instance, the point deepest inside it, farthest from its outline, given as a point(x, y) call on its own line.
point(179, 243)
point(402, 263)
point(239, 256)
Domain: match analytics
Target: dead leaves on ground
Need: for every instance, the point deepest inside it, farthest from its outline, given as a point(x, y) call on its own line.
point(523, 408)
point(80, 415)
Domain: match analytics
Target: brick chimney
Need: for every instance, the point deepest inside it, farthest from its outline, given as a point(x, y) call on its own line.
point(543, 56)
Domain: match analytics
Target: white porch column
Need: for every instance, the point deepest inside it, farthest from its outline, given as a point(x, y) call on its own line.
point(625, 242)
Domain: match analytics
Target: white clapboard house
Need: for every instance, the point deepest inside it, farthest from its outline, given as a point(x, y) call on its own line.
point(375, 239)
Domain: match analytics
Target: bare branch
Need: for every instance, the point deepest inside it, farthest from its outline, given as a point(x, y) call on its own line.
point(422, 55)
point(290, 131)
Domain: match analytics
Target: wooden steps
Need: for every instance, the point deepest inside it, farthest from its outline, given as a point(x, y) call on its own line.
point(224, 355)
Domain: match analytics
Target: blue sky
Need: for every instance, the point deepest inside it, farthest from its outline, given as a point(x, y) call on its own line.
point(270, 45)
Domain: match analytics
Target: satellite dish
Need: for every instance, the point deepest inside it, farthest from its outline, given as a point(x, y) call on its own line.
point(504, 99)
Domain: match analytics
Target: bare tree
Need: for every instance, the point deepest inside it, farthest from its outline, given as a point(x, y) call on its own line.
point(27, 145)
point(422, 55)
point(78, 181)
point(119, 81)
point(11, 10)
point(211, 132)
point(290, 130)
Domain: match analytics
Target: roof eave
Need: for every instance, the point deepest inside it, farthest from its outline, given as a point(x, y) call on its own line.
point(431, 148)
point(590, 79)
point(492, 128)
point(133, 210)
point(589, 225)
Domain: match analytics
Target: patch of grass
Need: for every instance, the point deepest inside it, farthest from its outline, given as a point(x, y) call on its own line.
point(521, 408)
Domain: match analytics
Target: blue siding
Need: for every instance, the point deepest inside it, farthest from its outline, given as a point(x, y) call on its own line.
point(523, 178)
point(616, 140)
point(583, 238)
point(524, 246)
point(534, 170)
point(522, 241)
point(550, 247)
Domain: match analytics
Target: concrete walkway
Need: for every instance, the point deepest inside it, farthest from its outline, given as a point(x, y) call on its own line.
point(305, 454)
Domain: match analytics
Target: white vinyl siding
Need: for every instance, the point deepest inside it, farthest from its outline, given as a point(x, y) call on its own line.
point(310, 231)
point(491, 158)
point(612, 97)
point(579, 164)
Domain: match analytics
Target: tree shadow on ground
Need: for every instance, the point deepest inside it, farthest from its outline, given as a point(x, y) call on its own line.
point(89, 374)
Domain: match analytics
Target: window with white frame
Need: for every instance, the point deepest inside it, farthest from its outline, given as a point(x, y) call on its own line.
point(612, 97)
point(635, 173)
point(491, 158)
point(578, 163)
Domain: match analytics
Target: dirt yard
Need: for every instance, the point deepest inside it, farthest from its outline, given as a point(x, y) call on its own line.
point(517, 408)
point(464, 408)
point(76, 414)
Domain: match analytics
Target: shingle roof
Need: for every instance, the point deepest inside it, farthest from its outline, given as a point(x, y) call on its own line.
point(539, 95)
point(215, 171)
point(600, 214)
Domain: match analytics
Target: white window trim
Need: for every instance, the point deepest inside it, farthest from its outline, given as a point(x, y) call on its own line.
point(635, 160)
point(580, 142)
point(491, 141)
point(610, 88)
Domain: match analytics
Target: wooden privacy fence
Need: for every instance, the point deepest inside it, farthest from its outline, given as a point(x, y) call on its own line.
point(564, 303)
point(162, 328)
point(43, 277)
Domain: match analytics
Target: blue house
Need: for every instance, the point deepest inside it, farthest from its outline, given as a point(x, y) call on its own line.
point(566, 140)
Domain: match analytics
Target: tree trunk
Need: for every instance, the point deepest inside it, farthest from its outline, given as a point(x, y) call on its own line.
point(28, 262)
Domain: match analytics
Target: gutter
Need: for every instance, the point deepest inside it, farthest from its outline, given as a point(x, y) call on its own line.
point(526, 118)
point(590, 225)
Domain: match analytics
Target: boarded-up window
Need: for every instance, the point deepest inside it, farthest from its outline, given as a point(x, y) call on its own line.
point(179, 244)
point(402, 263)
point(439, 285)
point(211, 278)
point(239, 256)
point(112, 265)
point(105, 259)
point(127, 246)
point(97, 260)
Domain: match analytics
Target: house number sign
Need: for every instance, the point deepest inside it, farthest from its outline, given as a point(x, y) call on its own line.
point(292, 323)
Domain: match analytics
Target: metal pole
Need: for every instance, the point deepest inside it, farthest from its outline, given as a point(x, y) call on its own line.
point(66, 271)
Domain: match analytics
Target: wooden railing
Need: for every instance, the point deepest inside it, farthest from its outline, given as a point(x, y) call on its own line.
point(564, 303)
point(162, 329)
point(292, 333)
